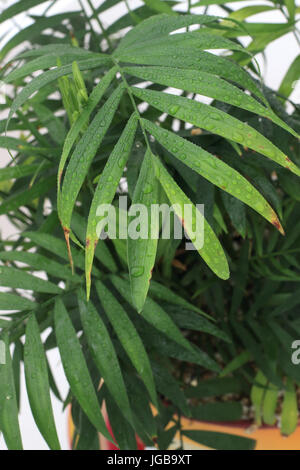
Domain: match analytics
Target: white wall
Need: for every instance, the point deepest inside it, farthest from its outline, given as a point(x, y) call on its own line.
point(279, 56)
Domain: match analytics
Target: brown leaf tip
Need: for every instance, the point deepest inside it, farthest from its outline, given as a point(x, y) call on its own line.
point(278, 225)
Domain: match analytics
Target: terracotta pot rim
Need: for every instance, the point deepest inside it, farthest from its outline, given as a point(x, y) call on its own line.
point(243, 424)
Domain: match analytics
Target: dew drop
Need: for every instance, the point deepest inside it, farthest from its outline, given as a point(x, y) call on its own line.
point(137, 271)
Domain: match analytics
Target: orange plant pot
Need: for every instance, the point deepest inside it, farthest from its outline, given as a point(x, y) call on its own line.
point(267, 437)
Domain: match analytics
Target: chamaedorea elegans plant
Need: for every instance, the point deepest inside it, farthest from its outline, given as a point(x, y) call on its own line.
point(114, 118)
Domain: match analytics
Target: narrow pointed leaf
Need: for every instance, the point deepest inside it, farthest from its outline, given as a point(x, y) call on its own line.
point(19, 7)
point(15, 302)
point(40, 263)
point(192, 58)
point(76, 368)
point(169, 387)
point(47, 61)
point(187, 319)
point(160, 26)
point(206, 84)
point(159, 6)
point(26, 195)
point(9, 424)
point(82, 120)
point(18, 171)
point(142, 252)
point(220, 441)
point(104, 354)
point(83, 155)
point(39, 25)
point(49, 76)
point(54, 245)
point(102, 252)
point(291, 76)
point(212, 251)
point(154, 314)
point(217, 122)
point(161, 292)
point(15, 278)
point(128, 337)
point(106, 189)
point(215, 171)
point(37, 384)
point(200, 40)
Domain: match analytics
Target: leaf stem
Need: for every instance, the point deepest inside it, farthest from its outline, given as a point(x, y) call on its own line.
point(133, 103)
point(96, 17)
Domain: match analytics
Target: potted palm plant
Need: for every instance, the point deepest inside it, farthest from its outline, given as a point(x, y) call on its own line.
point(163, 336)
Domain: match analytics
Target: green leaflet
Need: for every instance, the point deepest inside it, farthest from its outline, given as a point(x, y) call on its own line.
point(220, 441)
point(141, 253)
point(192, 58)
point(213, 2)
point(217, 122)
point(76, 369)
point(17, 8)
point(123, 432)
point(15, 302)
point(55, 125)
point(257, 394)
point(215, 171)
point(166, 348)
point(206, 84)
point(288, 81)
point(9, 424)
point(291, 7)
point(102, 251)
point(193, 321)
point(169, 387)
point(214, 388)
point(104, 354)
point(106, 189)
point(199, 40)
point(48, 77)
point(26, 195)
point(270, 404)
point(17, 358)
point(161, 292)
point(159, 6)
point(154, 314)
point(40, 263)
point(18, 171)
point(82, 120)
point(59, 50)
point(49, 60)
point(12, 144)
point(211, 251)
point(289, 414)
point(246, 12)
point(48, 242)
point(39, 25)
point(56, 246)
point(128, 337)
point(220, 412)
point(15, 278)
point(159, 26)
point(83, 154)
point(37, 384)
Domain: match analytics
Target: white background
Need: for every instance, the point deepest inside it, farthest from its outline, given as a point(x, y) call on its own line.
point(279, 55)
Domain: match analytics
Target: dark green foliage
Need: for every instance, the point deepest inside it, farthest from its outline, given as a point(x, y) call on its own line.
point(161, 327)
